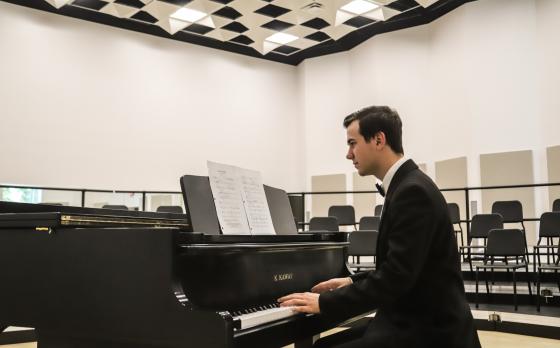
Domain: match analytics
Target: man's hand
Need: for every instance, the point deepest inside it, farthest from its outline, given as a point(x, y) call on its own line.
point(331, 284)
point(306, 302)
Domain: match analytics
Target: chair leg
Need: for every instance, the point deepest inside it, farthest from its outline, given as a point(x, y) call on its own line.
point(529, 282)
point(539, 290)
point(476, 289)
point(486, 281)
point(514, 290)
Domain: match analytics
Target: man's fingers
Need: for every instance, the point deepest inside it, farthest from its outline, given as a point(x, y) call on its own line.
point(289, 297)
point(321, 287)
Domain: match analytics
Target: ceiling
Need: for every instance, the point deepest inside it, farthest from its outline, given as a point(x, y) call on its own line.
point(286, 31)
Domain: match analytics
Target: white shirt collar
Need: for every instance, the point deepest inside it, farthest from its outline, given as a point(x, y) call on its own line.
point(391, 173)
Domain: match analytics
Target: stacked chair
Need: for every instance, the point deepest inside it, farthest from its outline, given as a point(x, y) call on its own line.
point(556, 205)
point(177, 209)
point(115, 207)
point(344, 214)
point(549, 230)
point(323, 224)
point(364, 243)
point(553, 267)
point(502, 245)
point(481, 224)
point(453, 209)
point(511, 212)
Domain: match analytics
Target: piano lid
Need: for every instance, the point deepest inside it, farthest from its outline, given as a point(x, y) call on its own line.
point(25, 215)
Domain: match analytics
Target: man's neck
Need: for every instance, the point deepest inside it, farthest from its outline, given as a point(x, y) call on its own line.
point(391, 159)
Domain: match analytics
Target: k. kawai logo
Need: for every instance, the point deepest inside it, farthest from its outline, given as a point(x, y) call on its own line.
point(284, 276)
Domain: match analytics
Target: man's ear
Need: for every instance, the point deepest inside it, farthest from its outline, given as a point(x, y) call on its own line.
point(379, 137)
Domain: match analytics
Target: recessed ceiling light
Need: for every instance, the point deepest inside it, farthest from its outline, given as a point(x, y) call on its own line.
point(188, 15)
point(359, 6)
point(58, 3)
point(281, 38)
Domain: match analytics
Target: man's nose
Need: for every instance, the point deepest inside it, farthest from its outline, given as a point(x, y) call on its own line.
point(349, 155)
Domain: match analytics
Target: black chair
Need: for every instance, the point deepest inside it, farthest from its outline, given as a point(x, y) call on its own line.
point(504, 244)
point(177, 209)
point(511, 212)
point(549, 267)
point(453, 209)
point(115, 207)
point(369, 223)
point(344, 214)
point(481, 224)
point(549, 228)
point(323, 224)
point(556, 205)
point(362, 243)
point(378, 209)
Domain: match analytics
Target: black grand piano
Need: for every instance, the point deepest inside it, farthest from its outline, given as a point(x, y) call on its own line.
point(87, 278)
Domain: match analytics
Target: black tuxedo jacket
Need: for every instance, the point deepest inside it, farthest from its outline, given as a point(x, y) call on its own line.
point(417, 288)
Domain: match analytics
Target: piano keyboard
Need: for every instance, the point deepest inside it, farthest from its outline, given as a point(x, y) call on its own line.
point(260, 315)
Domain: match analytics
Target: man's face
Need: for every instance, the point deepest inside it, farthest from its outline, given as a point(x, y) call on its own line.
point(363, 155)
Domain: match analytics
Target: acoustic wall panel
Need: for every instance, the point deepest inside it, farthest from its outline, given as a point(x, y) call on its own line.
point(553, 163)
point(509, 168)
point(452, 173)
point(320, 183)
point(364, 203)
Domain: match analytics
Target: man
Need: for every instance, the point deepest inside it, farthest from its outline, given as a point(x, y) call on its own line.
point(417, 288)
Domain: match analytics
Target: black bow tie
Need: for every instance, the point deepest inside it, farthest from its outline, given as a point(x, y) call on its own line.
point(380, 189)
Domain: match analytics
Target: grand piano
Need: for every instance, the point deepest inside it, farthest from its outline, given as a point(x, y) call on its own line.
point(86, 278)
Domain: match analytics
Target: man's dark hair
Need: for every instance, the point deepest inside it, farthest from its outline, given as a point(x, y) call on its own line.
point(374, 119)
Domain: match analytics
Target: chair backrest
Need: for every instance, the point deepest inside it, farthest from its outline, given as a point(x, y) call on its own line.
point(370, 223)
point(297, 205)
point(362, 243)
point(481, 224)
point(453, 209)
point(323, 223)
point(115, 207)
point(556, 205)
point(511, 211)
point(378, 209)
point(170, 209)
point(344, 214)
point(550, 225)
point(505, 242)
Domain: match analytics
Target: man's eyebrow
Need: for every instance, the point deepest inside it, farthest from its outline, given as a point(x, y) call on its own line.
point(349, 141)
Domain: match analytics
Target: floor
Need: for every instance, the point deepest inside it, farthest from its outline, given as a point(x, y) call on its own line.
point(487, 338)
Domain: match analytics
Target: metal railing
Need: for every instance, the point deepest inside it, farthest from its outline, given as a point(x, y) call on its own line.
point(466, 191)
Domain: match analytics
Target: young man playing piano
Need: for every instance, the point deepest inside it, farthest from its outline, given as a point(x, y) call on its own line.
point(417, 288)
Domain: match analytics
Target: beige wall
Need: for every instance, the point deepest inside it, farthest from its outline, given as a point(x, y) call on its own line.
point(320, 203)
point(364, 203)
point(553, 164)
point(452, 173)
point(509, 168)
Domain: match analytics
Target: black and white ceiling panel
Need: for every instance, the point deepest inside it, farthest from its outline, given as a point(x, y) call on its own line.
point(286, 31)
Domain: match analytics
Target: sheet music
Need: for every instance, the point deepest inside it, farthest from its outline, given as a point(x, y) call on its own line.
point(240, 200)
point(254, 200)
point(226, 189)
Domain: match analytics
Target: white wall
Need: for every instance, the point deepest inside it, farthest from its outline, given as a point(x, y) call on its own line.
point(87, 105)
point(481, 79)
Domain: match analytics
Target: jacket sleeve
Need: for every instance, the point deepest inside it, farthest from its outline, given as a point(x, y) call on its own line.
point(412, 220)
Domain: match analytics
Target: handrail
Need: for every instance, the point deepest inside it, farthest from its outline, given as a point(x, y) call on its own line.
point(144, 193)
point(466, 190)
